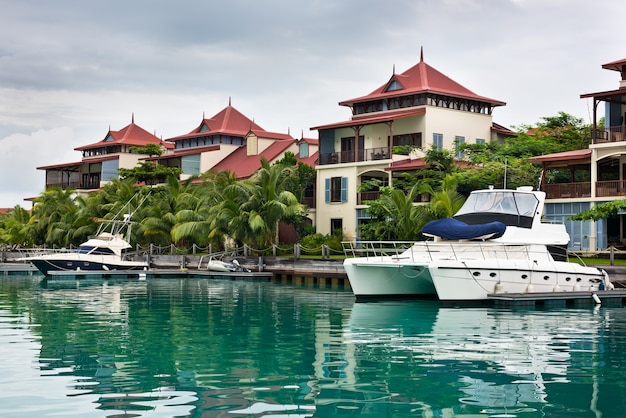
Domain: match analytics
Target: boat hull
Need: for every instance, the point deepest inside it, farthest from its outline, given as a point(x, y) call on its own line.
point(48, 265)
point(388, 278)
point(456, 280)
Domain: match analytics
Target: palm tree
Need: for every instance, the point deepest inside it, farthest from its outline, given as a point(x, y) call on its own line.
point(14, 228)
point(394, 216)
point(270, 202)
point(444, 203)
point(53, 214)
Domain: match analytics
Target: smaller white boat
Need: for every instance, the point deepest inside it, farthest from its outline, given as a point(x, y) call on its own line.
point(223, 266)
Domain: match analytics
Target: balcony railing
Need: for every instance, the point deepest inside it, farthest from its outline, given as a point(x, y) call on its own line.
point(362, 197)
point(612, 134)
point(608, 188)
point(367, 154)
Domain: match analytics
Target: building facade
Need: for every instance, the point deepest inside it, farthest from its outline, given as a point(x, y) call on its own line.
point(597, 174)
point(388, 131)
point(101, 160)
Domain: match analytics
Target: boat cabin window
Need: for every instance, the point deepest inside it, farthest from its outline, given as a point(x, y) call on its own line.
point(87, 249)
point(508, 207)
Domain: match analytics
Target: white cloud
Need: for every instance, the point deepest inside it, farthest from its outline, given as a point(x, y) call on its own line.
point(90, 65)
point(22, 153)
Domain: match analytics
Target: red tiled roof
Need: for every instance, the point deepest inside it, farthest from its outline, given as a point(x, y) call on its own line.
point(407, 164)
point(311, 160)
point(76, 165)
point(495, 127)
point(228, 121)
point(372, 118)
point(606, 94)
point(244, 165)
point(581, 154)
point(615, 65)
point(132, 135)
point(422, 78)
point(311, 141)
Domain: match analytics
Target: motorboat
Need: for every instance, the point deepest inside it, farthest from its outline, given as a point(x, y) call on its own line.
point(105, 251)
point(217, 265)
point(496, 243)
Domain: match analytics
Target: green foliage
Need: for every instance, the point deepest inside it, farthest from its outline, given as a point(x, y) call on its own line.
point(394, 216)
point(148, 149)
point(148, 172)
point(600, 211)
point(315, 241)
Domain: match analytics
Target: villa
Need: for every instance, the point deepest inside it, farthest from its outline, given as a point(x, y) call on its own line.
point(597, 174)
point(414, 110)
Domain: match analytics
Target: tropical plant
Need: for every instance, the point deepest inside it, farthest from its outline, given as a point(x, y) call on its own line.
point(14, 228)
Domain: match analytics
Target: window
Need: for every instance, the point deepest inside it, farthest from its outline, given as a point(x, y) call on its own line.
point(458, 141)
point(414, 139)
point(190, 164)
point(394, 85)
point(480, 141)
point(304, 150)
point(438, 141)
point(336, 189)
point(336, 225)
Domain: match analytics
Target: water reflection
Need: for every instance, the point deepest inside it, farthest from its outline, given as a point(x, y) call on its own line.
point(219, 348)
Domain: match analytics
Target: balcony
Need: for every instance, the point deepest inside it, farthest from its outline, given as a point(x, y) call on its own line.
point(612, 134)
point(367, 154)
point(610, 188)
point(363, 197)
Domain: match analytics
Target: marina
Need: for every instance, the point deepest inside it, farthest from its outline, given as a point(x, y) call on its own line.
point(207, 346)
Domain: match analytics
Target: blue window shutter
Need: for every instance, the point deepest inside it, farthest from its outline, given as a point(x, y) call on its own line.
point(327, 190)
point(344, 189)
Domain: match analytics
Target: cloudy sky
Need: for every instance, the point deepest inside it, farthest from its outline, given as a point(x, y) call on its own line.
point(69, 69)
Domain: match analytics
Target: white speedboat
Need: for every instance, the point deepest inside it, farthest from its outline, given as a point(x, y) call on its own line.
point(496, 243)
point(103, 252)
point(222, 266)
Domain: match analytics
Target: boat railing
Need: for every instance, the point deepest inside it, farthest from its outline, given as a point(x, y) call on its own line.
point(375, 248)
point(31, 252)
point(425, 251)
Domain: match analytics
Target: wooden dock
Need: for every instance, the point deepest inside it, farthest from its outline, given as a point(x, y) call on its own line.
point(616, 298)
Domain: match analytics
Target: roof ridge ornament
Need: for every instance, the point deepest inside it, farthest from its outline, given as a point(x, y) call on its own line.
point(422, 53)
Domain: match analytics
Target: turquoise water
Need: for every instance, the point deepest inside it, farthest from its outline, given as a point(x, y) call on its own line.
point(222, 348)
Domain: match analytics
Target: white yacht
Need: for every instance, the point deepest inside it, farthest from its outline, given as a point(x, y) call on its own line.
point(496, 243)
point(103, 252)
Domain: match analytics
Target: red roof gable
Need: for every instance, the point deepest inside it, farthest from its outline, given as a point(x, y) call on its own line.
point(421, 78)
point(244, 165)
point(229, 121)
point(132, 135)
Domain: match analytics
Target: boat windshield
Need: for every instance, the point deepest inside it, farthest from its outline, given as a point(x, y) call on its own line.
point(509, 207)
point(88, 249)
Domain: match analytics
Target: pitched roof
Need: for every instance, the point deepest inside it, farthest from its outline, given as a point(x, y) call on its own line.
point(132, 135)
point(75, 166)
point(581, 154)
point(228, 121)
point(244, 165)
point(421, 78)
point(615, 65)
point(372, 118)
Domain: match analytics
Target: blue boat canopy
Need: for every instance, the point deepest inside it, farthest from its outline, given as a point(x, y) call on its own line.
point(451, 228)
